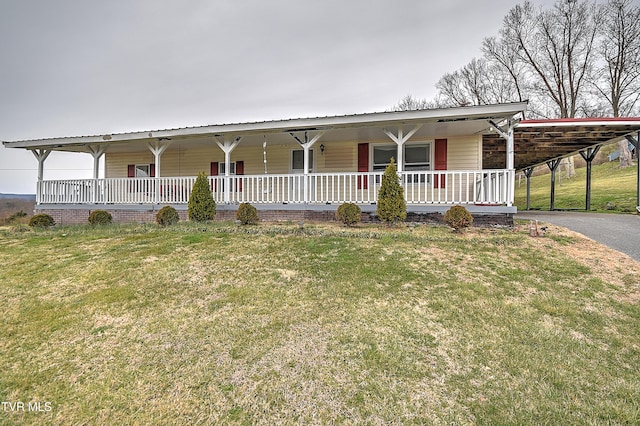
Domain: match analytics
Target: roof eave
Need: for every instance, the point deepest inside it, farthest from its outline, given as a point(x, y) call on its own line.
point(379, 119)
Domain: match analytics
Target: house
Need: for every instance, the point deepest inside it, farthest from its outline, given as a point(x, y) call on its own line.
point(294, 168)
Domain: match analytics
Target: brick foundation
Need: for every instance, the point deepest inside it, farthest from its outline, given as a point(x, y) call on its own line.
point(80, 215)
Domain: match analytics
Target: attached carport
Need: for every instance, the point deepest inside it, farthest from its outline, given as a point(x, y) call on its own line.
point(539, 142)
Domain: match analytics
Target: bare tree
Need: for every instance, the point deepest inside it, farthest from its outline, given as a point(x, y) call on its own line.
point(558, 47)
point(480, 82)
point(619, 73)
point(409, 103)
point(503, 53)
point(619, 81)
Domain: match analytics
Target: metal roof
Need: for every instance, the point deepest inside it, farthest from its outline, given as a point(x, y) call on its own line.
point(450, 116)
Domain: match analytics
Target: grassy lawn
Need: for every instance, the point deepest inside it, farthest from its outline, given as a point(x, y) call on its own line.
point(276, 325)
point(609, 184)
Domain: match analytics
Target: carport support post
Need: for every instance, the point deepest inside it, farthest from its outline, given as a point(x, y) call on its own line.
point(553, 166)
point(527, 173)
point(588, 155)
point(636, 143)
point(41, 155)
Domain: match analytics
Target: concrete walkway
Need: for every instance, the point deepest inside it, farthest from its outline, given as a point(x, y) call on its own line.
point(618, 231)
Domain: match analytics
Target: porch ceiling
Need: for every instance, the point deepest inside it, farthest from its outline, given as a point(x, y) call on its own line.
point(538, 141)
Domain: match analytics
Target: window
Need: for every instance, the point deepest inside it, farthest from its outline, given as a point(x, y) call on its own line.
point(417, 157)
point(143, 170)
point(382, 156)
point(232, 168)
point(297, 161)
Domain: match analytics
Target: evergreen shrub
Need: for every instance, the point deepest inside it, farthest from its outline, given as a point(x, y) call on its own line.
point(392, 208)
point(41, 220)
point(202, 206)
point(167, 216)
point(458, 217)
point(349, 214)
point(100, 217)
point(247, 214)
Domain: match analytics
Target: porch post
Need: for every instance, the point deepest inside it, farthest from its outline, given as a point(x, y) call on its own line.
point(507, 135)
point(41, 155)
point(227, 145)
point(636, 143)
point(157, 148)
point(96, 152)
point(400, 139)
point(306, 145)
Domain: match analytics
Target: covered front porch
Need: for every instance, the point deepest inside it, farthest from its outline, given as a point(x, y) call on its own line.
point(297, 164)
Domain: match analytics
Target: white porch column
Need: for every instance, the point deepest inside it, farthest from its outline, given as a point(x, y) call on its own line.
point(157, 148)
point(96, 152)
point(507, 135)
point(227, 145)
point(41, 155)
point(400, 138)
point(306, 146)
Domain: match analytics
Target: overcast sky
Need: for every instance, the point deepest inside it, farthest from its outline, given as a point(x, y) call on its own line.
point(85, 67)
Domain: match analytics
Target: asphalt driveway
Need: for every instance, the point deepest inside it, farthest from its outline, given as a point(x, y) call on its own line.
point(618, 231)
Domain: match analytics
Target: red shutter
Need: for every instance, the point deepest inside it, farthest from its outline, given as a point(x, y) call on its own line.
point(213, 172)
point(239, 171)
point(440, 161)
point(131, 172)
point(363, 165)
point(152, 170)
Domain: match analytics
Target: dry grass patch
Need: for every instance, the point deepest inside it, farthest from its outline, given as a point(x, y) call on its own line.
point(278, 325)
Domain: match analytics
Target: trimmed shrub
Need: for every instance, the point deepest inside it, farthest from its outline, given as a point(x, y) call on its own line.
point(391, 205)
point(349, 214)
point(41, 220)
point(458, 217)
point(202, 206)
point(167, 216)
point(247, 214)
point(100, 217)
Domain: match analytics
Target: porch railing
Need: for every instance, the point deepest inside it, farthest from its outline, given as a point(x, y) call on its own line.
point(420, 187)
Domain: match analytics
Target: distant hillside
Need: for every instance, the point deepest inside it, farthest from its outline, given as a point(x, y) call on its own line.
point(16, 207)
point(31, 197)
